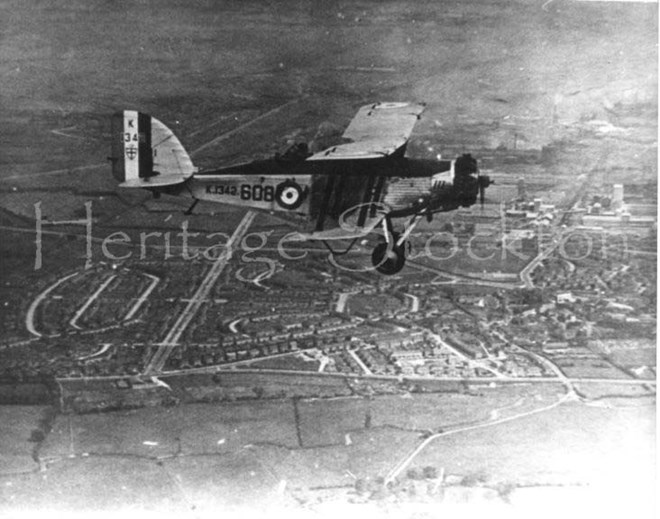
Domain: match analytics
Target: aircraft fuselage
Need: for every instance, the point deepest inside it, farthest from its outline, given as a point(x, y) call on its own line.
point(330, 187)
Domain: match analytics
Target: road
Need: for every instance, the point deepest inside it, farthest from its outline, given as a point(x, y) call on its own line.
point(462, 278)
point(473, 363)
point(544, 361)
point(233, 325)
point(414, 303)
point(401, 465)
point(29, 316)
point(104, 347)
point(92, 298)
point(395, 378)
point(143, 297)
point(342, 301)
point(362, 365)
point(242, 127)
point(525, 273)
point(157, 361)
point(568, 383)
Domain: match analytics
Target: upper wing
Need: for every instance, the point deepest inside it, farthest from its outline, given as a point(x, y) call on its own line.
point(377, 130)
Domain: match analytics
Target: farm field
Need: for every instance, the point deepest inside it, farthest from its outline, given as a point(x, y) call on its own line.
point(609, 451)
point(19, 437)
point(251, 448)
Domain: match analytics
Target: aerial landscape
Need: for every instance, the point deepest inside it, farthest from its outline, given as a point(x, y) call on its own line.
point(158, 357)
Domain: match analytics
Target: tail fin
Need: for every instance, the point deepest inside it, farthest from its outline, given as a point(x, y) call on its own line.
point(145, 152)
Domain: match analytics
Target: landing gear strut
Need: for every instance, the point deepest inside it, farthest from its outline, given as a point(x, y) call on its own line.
point(389, 258)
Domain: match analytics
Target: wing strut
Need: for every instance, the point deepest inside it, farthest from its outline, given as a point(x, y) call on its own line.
point(192, 206)
point(339, 253)
point(325, 202)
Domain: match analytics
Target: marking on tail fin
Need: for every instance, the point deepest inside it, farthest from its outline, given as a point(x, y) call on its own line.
point(131, 150)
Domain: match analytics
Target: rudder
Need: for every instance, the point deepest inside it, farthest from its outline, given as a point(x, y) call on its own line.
point(146, 153)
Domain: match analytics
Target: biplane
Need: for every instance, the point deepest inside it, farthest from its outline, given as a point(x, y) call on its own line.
point(343, 192)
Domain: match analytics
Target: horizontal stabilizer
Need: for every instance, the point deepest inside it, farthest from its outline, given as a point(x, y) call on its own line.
point(157, 181)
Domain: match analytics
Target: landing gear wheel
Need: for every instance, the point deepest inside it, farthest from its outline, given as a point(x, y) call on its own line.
point(388, 258)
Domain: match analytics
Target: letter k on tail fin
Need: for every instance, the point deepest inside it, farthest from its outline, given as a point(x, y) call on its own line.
point(145, 152)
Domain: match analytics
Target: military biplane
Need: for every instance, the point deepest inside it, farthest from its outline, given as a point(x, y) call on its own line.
point(344, 192)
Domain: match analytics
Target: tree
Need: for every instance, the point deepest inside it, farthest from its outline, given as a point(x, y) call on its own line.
point(430, 472)
point(414, 474)
point(37, 436)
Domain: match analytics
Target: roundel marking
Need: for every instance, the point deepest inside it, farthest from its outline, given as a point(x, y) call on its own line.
point(289, 195)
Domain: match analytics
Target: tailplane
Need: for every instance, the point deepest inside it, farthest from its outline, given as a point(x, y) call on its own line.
point(145, 152)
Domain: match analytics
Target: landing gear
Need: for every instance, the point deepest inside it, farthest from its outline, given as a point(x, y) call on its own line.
point(389, 258)
point(190, 209)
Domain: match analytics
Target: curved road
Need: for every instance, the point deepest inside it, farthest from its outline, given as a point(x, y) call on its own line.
point(403, 463)
point(29, 316)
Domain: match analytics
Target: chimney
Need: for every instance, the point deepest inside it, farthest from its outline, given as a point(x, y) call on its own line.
point(617, 196)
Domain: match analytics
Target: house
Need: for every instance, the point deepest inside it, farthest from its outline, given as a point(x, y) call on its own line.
point(412, 357)
point(565, 297)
